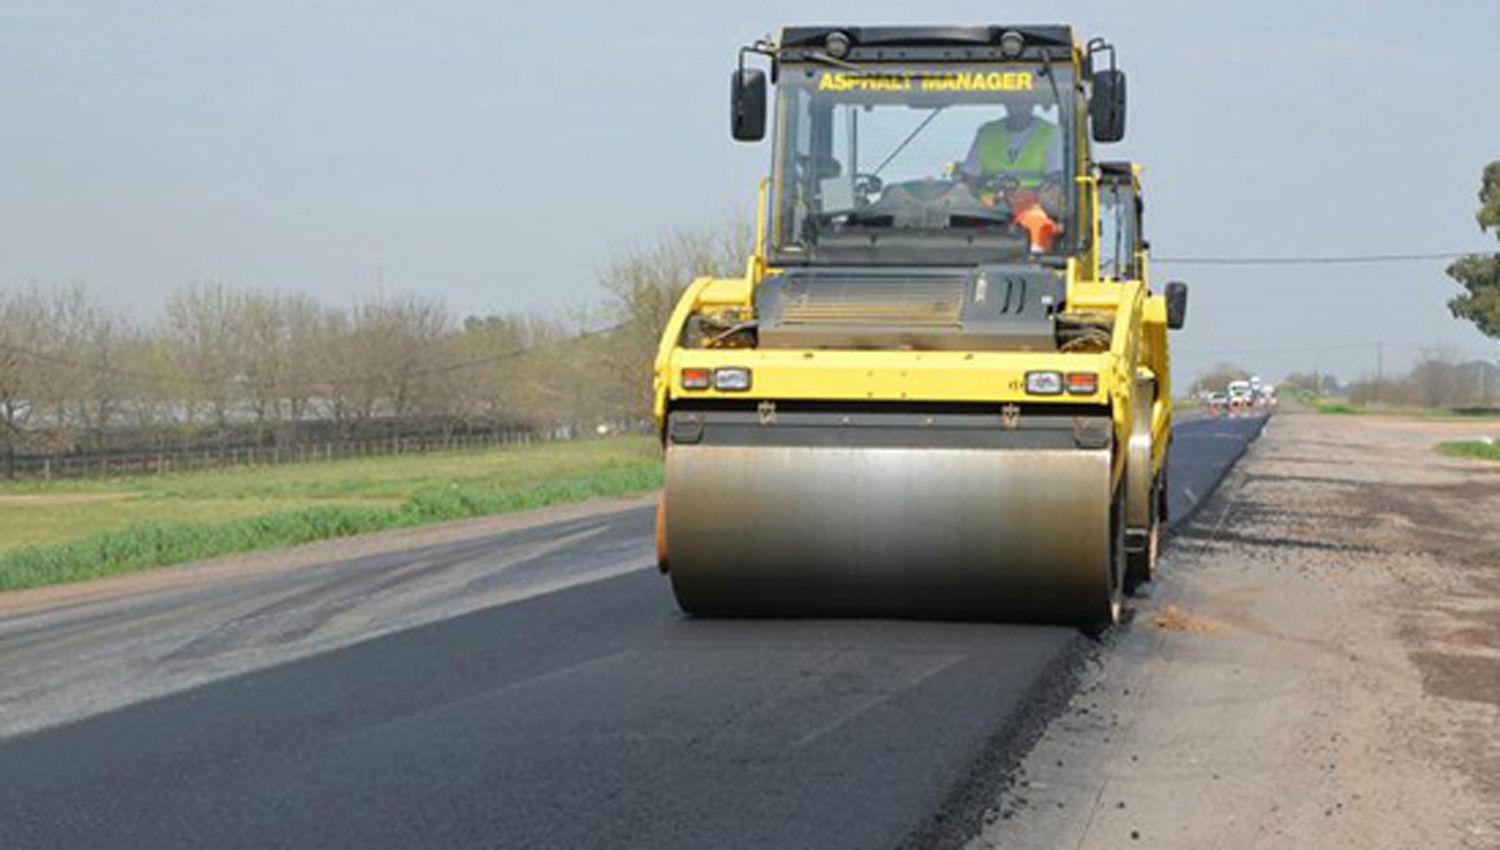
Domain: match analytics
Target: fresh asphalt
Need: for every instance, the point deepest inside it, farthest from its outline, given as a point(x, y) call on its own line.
point(595, 715)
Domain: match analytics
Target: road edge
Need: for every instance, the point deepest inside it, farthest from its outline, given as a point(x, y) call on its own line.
point(304, 555)
point(959, 818)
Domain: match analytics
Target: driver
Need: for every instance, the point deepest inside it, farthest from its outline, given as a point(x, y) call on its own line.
point(1024, 150)
point(1021, 146)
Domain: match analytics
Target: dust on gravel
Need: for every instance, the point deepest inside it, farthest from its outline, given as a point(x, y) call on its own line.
point(1175, 619)
point(1319, 666)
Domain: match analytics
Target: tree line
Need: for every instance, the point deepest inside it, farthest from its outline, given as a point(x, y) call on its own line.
point(1439, 378)
point(218, 364)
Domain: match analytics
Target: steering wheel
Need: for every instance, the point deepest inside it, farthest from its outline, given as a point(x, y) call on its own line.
point(867, 186)
point(996, 190)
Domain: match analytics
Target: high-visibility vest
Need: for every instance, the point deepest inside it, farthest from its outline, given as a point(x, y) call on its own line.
point(1030, 163)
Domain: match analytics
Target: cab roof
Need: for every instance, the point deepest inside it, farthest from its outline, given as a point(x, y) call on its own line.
point(890, 43)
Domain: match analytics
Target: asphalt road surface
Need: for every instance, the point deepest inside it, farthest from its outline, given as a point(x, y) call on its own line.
point(542, 690)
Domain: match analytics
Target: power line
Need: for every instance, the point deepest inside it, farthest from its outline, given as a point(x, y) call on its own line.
point(1372, 345)
point(1348, 259)
point(1278, 349)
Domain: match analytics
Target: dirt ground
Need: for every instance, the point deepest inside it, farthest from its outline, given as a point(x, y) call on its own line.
point(1319, 665)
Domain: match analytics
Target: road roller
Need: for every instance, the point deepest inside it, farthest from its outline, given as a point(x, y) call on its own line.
point(941, 387)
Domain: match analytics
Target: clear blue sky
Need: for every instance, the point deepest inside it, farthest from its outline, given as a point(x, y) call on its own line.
point(496, 154)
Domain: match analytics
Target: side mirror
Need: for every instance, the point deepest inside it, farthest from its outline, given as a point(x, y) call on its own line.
point(1176, 305)
point(1107, 106)
point(747, 105)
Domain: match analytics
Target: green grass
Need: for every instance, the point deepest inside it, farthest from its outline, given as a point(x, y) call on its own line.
point(1480, 449)
point(1345, 407)
point(61, 531)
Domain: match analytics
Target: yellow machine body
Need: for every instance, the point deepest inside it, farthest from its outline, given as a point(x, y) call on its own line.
point(896, 480)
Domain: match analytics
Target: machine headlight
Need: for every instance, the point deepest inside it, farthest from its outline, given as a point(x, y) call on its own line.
point(1044, 383)
point(696, 379)
point(731, 379)
point(1011, 44)
point(837, 45)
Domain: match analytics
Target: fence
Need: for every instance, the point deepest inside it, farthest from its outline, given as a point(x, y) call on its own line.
point(162, 461)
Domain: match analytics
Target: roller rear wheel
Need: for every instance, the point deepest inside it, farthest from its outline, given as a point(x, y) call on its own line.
point(1145, 548)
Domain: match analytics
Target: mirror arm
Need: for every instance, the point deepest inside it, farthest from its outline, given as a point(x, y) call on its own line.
point(763, 46)
point(1098, 45)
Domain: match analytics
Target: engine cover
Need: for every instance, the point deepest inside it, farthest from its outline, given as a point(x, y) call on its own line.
point(984, 308)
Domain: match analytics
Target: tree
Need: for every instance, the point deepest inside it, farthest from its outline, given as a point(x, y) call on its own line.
point(23, 334)
point(303, 321)
point(1218, 377)
point(93, 388)
point(1479, 274)
point(202, 323)
point(644, 285)
point(386, 359)
point(1301, 381)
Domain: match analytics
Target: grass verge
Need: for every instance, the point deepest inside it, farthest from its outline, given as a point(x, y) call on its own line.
point(372, 500)
point(1480, 449)
point(1345, 407)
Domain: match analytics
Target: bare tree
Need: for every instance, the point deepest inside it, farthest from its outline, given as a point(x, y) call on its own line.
point(645, 284)
point(1437, 379)
point(201, 322)
point(260, 341)
point(1218, 377)
point(303, 322)
point(23, 336)
point(225, 363)
point(90, 383)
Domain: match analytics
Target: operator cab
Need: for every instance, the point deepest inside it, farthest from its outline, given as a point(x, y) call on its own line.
point(928, 145)
point(929, 185)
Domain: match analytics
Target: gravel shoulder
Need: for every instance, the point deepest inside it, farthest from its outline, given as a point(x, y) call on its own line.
point(1318, 667)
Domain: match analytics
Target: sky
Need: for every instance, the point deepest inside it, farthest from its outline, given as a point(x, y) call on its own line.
point(498, 154)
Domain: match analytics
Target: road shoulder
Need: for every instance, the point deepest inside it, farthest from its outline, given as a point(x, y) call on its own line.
point(1318, 668)
point(270, 561)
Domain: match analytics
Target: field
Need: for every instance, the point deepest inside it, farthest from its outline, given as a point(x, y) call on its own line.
point(52, 532)
point(1334, 405)
point(1480, 449)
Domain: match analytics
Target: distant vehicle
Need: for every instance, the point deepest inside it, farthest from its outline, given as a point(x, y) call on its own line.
point(1218, 404)
point(1241, 397)
point(1262, 394)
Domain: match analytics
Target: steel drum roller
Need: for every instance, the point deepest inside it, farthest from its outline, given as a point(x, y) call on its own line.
point(985, 534)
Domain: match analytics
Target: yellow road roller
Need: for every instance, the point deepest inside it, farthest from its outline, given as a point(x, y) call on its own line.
point(941, 387)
